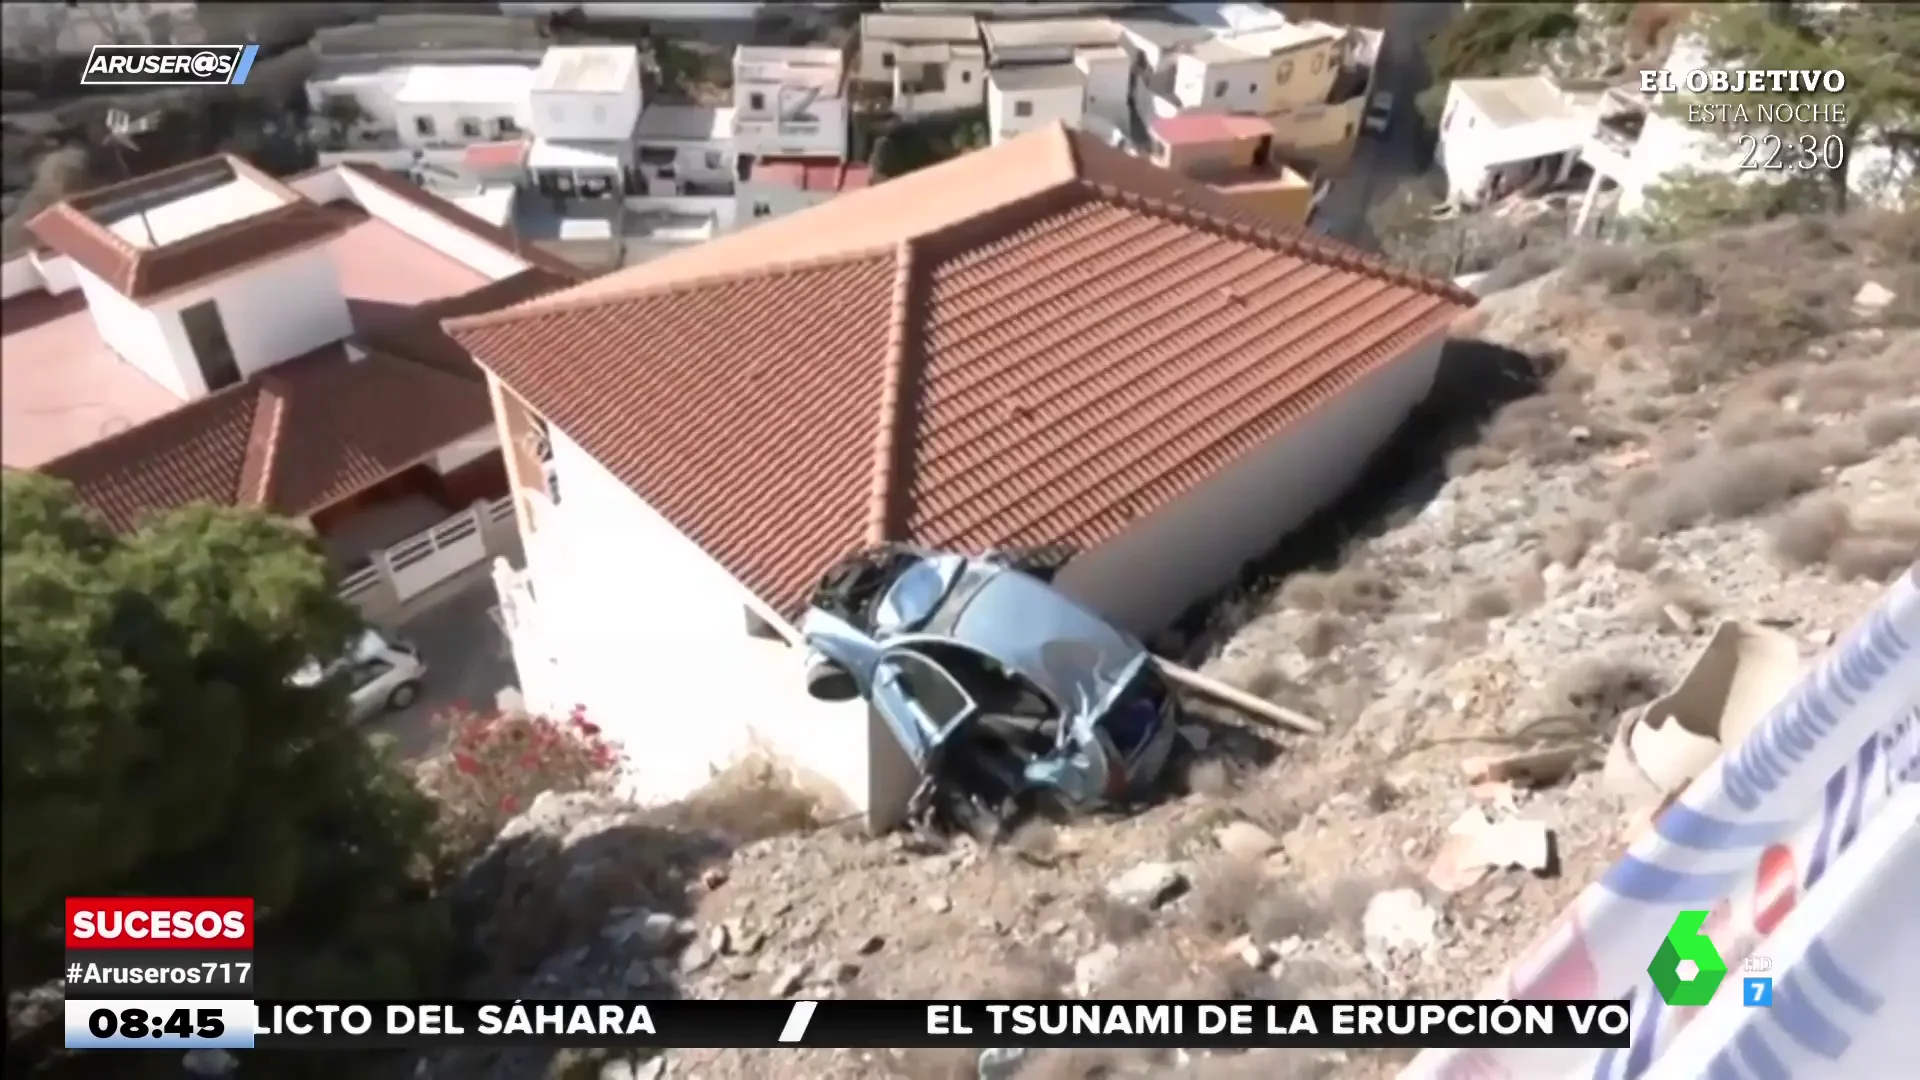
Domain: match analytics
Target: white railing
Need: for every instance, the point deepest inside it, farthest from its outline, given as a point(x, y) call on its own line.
point(427, 558)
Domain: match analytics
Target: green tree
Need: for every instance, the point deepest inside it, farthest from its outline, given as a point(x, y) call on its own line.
point(1693, 203)
point(155, 743)
point(1489, 40)
point(1875, 46)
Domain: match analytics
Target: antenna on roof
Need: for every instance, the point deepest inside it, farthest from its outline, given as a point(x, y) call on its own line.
point(122, 126)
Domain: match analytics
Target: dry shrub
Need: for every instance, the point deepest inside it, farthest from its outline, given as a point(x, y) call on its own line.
point(1844, 386)
point(1323, 634)
point(1078, 1064)
point(1547, 429)
point(1598, 690)
point(1637, 553)
point(752, 799)
point(937, 1063)
point(1350, 590)
point(1806, 534)
point(1223, 896)
point(1487, 602)
point(1567, 541)
point(1890, 424)
point(1878, 549)
point(1764, 325)
point(1115, 921)
point(1280, 913)
point(1663, 279)
point(498, 762)
point(1749, 422)
point(1728, 485)
point(1874, 558)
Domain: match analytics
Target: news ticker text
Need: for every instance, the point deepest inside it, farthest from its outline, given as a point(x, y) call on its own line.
point(183, 1023)
point(168, 65)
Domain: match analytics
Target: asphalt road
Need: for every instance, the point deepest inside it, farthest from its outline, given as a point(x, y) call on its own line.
point(1380, 162)
point(468, 663)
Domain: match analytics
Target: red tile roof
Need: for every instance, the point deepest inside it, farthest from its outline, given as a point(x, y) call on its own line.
point(305, 433)
point(422, 199)
point(811, 174)
point(141, 273)
point(1189, 128)
point(1037, 342)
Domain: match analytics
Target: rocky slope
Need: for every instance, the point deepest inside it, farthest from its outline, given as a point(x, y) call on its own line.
point(1726, 430)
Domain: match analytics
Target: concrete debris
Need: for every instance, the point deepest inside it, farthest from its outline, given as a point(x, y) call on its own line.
point(1148, 885)
point(1872, 298)
point(1476, 846)
point(1092, 969)
point(1245, 840)
point(939, 905)
point(790, 979)
point(654, 1068)
point(1398, 921)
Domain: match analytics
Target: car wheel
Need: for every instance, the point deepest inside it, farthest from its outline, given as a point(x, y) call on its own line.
point(828, 681)
point(403, 695)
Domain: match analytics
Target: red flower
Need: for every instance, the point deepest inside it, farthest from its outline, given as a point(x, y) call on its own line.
point(589, 728)
point(466, 764)
point(509, 804)
point(529, 760)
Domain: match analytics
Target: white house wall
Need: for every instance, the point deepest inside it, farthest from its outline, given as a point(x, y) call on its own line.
point(272, 311)
point(760, 135)
point(1066, 104)
point(428, 228)
point(374, 91)
point(139, 336)
point(1109, 85)
point(1238, 87)
point(574, 116)
point(1198, 544)
point(652, 637)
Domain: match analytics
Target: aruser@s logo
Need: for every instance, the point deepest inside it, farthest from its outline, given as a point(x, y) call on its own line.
point(1687, 942)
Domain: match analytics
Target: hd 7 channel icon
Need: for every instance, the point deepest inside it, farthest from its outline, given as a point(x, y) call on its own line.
point(159, 973)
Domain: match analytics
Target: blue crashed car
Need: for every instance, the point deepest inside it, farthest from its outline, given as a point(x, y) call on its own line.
point(1008, 696)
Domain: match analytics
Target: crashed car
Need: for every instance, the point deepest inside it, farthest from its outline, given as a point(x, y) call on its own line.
point(1007, 696)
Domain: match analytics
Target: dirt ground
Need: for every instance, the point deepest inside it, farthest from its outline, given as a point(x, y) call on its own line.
point(1725, 431)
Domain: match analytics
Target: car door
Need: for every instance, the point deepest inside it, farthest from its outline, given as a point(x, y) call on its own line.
point(372, 680)
point(919, 701)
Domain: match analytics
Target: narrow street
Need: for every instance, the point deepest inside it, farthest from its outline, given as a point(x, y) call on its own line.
point(1380, 162)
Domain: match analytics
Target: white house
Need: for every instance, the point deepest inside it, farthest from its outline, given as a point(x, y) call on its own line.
point(248, 341)
point(915, 360)
point(668, 11)
point(442, 106)
point(928, 64)
point(1090, 47)
point(1032, 96)
point(1498, 136)
point(586, 93)
point(790, 100)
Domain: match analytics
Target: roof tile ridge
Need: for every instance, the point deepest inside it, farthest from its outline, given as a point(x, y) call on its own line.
point(892, 443)
point(384, 354)
point(556, 303)
point(263, 444)
point(1296, 242)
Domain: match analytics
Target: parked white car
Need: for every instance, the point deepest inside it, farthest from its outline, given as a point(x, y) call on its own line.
point(1379, 114)
point(383, 675)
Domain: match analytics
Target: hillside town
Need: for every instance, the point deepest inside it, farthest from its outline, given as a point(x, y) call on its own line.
point(1083, 501)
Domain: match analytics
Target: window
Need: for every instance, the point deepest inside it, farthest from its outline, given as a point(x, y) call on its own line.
point(923, 688)
point(1220, 88)
point(366, 672)
point(505, 125)
point(563, 183)
point(665, 172)
point(761, 209)
point(636, 181)
point(713, 159)
point(886, 60)
point(1283, 73)
point(595, 187)
point(469, 128)
point(757, 102)
point(966, 77)
point(207, 336)
point(658, 155)
point(423, 126)
point(1253, 88)
point(1023, 108)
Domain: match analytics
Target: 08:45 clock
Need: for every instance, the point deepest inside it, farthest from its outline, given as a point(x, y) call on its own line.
point(159, 1024)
